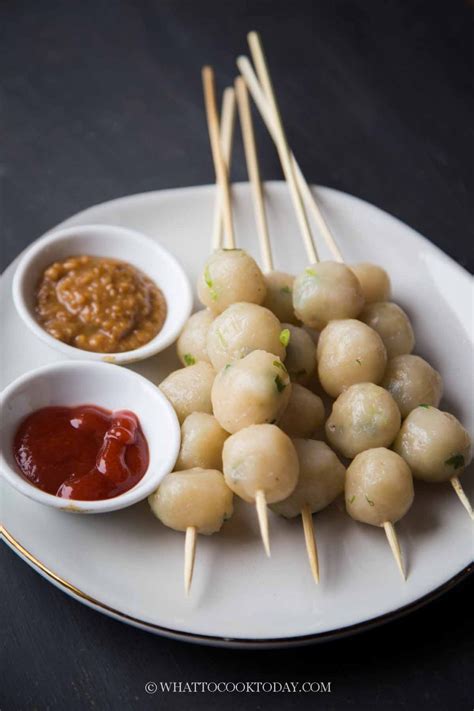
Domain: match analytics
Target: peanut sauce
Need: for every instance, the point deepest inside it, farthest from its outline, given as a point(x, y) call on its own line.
point(99, 304)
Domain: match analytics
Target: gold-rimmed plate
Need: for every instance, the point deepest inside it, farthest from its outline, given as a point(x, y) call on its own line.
point(129, 566)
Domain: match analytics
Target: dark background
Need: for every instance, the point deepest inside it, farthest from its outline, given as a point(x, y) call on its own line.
point(103, 99)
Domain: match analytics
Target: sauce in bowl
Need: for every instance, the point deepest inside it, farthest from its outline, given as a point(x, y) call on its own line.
point(99, 304)
point(85, 453)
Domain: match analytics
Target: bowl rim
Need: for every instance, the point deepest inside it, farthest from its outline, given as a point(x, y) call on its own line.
point(151, 478)
point(155, 345)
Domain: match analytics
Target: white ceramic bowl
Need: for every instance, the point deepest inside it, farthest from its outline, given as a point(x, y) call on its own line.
point(76, 383)
point(117, 243)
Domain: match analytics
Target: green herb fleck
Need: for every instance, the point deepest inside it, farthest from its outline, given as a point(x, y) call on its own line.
point(285, 336)
point(280, 384)
point(231, 249)
point(221, 338)
point(423, 405)
point(352, 499)
point(358, 360)
point(286, 290)
point(456, 461)
point(279, 364)
point(226, 367)
point(189, 359)
point(207, 276)
point(369, 501)
point(210, 283)
point(310, 272)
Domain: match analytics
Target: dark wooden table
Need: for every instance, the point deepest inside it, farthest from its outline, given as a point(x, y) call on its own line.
point(103, 98)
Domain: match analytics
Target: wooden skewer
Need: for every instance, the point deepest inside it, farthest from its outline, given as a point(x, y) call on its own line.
point(395, 546)
point(227, 134)
point(253, 170)
point(310, 540)
point(217, 153)
point(282, 144)
point(262, 513)
point(457, 486)
point(189, 555)
point(261, 102)
point(317, 214)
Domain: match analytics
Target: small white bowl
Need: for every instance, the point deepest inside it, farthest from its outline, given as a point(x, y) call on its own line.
point(116, 243)
point(73, 383)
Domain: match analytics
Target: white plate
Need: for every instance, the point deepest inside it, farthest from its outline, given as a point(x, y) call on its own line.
point(128, 565)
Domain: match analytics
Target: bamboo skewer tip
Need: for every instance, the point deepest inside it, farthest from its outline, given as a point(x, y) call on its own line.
point(458, 488)
point(189, 556)
point(253, 36)
point(310, 540)
point(394, 546)
point(262, 514)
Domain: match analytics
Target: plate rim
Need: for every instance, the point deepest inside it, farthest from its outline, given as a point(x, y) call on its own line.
point(216, 640)
point(314, 187)
point(245, 184)
point(230, 642)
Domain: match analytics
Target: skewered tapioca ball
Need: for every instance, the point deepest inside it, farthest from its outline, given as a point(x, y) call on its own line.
point(374, 281)
point(321, 479)
point(363, 417)
point(304, 413)
point(412, 381)
point(260, 458)
point(349, 352)
point(192, 343)
point(393, 326)
point(197, 498)
point(230, 276)
point(434, 444)
point(379, 487)
point(202, 439)
point(326, 291)
point(189, 389)
point(300, 359)
point(251, 391)
point(241, 329)
point(279, 296)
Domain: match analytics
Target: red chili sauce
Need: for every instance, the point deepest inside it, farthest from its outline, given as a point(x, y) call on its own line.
point(84, 452)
